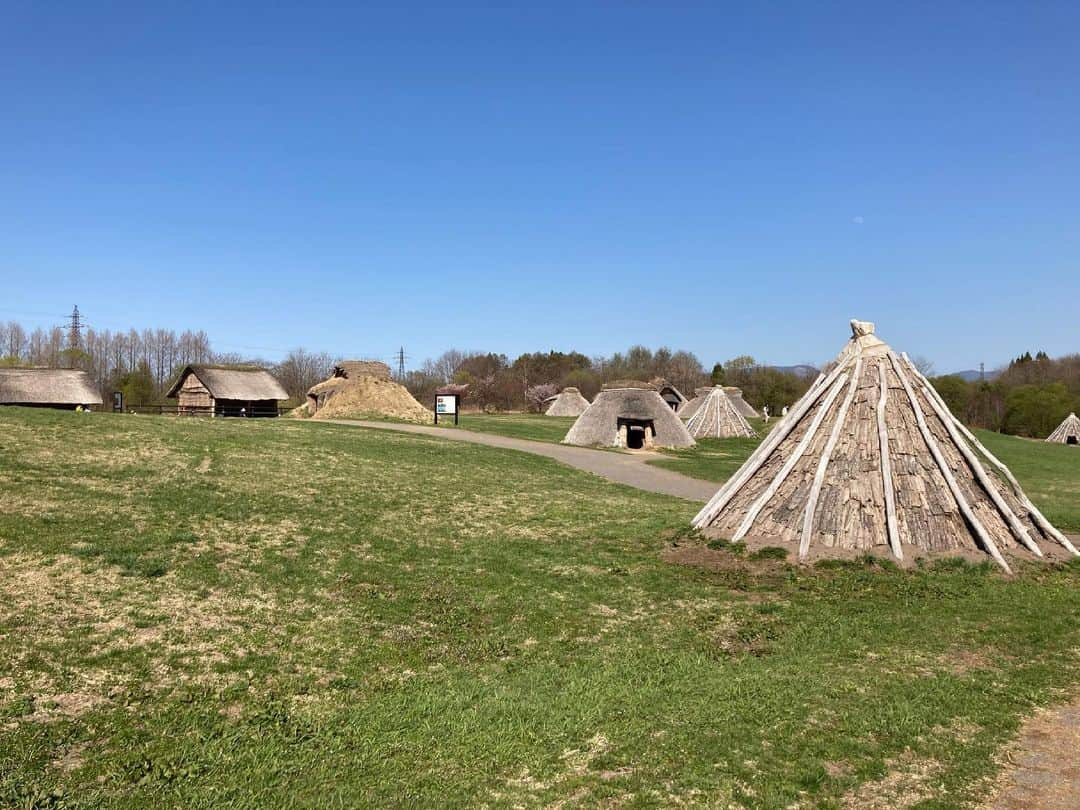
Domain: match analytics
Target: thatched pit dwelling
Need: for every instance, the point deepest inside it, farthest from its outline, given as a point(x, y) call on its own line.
point(569, 402)
point(1068, 432)
point(223, 391)
point(871, 460)
point(631, 415)
point(63, 388)
point(716, 417)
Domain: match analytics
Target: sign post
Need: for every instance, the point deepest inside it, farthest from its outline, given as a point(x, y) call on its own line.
point(446, 404)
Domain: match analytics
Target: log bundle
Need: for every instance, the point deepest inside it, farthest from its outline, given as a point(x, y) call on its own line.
point(871, 459)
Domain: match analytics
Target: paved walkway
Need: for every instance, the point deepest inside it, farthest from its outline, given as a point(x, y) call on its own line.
point(623, 468)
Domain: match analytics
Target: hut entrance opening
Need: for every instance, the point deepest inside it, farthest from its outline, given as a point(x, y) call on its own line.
point(1072, 440)
point(636, 434)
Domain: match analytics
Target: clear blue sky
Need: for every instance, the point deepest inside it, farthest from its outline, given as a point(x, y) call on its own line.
point(727, 179)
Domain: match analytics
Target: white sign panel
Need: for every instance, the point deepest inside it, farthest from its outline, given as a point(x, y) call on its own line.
point(446, 404)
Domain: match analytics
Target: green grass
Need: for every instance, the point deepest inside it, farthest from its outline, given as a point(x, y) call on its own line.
point(1050, 474)
point(533, 426)
point(252, 613)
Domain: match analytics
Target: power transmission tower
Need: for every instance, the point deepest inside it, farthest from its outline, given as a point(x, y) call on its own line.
point(401, 363)
point(74, 327)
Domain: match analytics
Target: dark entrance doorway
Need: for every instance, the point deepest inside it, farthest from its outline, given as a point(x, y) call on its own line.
point(637, 433)
point(1072, 440)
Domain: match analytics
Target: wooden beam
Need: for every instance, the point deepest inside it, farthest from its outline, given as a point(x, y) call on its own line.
point(793, 459)
point(765, 449)
point(943, 466)
point(823, 463)
point(891, 524)
point(979, 472)
point(1036, 516)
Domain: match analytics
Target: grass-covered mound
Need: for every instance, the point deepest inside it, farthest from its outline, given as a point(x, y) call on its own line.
point(202, 613)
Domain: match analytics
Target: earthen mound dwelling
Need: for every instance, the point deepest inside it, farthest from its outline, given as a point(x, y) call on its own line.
point(871, 460)
point(629, 414)
point(363, 389)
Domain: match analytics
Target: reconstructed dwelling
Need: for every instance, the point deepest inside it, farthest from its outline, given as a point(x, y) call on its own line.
point(870, 459)
point(741, 405)
point(361, 389)
point(569, 402)
point(65, 388)
point(670, 394)
point(632, 415)
point(717, 418)
point(1068, 432)
point(227, 391)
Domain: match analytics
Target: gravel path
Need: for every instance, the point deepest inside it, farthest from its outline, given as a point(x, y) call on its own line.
point(623, 468)
point(1045, 772)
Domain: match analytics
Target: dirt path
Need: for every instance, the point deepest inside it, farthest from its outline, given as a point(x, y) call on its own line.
point(623, 468)
point(1045, 771)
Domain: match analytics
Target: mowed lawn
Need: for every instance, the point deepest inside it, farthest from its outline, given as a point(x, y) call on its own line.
point(248, 613)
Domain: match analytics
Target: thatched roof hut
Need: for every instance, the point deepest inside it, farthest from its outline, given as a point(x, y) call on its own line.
point(363, 389)
point(870, 459)
point(569, 402)
point(690, 408)
point(1068, 432)
point(669, 393)
point(66, 388)
point(717, 418)
point(741, 405)
point(635, 417)
point(225, 391)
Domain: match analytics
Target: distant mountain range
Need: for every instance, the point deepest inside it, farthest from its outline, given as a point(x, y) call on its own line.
point(802, 370)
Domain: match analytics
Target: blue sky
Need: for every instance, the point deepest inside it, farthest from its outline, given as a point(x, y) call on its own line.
point(729, 179)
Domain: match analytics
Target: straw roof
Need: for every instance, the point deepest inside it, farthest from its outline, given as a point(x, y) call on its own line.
point(47, 386)
point(871, 459)
point(741, 405)
point(569, 402)
point(1068, 432)
point(599, 424)
point(717, 418)
point(233, 383)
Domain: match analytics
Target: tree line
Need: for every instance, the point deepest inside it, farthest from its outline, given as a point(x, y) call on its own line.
point(1029, 397)
point(145, 363)
point(497, 383)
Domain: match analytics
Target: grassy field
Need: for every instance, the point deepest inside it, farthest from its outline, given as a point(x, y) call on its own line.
point(250, 613)
point(533, 426)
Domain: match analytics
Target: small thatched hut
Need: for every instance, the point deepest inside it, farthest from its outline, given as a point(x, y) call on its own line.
point(632, 416)
point(64, 388)
point(871, 459)
point(569, 402)
point(224, 391)
point(363, 389)
point(717, 418)
point(1068, 432)
point(669, 393)
point(741, 405)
